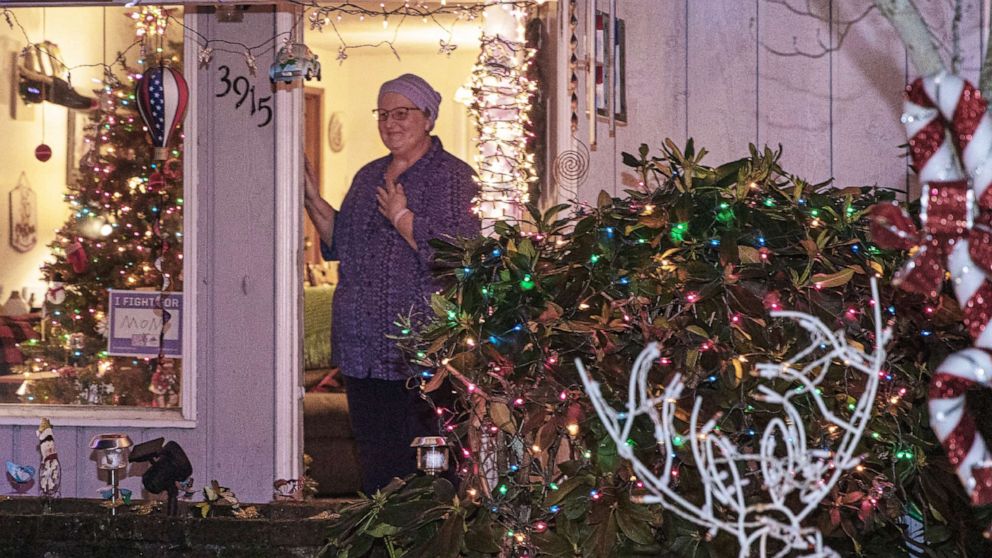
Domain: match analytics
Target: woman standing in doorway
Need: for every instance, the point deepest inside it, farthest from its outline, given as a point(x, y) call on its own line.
point(395, 205)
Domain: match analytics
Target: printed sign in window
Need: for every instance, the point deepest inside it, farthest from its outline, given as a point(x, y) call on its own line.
point(139, 321)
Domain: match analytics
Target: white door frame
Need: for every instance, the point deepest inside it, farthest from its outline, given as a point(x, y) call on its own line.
point(288, 428)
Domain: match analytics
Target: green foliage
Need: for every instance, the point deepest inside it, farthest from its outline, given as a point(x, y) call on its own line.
point(417, 517)
point(695, 260)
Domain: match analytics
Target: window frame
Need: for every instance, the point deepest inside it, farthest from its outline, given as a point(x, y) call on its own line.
point(107, 415)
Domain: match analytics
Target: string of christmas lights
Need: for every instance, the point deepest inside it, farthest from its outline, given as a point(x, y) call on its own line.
point(500, 106)
point(623, 269)
point(151, 19)
point(108, 68)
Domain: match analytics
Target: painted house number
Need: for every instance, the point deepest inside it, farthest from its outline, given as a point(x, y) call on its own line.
point(244, 90)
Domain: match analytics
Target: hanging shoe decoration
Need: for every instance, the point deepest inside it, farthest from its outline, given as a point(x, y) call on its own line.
point(42, 77)
point(162, 96)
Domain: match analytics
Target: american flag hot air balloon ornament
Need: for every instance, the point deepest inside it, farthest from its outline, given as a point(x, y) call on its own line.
point(162, 96)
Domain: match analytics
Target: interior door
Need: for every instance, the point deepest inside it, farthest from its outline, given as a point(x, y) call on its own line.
point(313, 118)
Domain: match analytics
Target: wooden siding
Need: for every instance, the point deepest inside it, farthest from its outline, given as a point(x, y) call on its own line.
point(719, 71)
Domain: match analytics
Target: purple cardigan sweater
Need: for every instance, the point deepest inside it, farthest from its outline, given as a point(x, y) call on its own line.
point(380, 276)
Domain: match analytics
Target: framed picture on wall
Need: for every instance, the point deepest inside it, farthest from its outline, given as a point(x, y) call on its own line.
point(611, 46)
point(75, 147)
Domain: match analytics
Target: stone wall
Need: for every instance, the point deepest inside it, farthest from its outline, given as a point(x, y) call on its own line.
point(72, 528)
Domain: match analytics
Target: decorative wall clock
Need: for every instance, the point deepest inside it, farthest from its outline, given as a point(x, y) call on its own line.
point(335, 137)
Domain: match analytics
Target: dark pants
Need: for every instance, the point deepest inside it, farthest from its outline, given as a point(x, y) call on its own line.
point(385, 418)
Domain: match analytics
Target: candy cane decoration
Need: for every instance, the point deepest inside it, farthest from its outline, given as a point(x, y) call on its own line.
point(947, 122)
point(971, 132)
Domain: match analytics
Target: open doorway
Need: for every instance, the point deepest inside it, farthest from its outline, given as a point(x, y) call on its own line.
point(341, 136)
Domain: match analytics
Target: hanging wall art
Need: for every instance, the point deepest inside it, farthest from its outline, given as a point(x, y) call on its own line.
point(23, 216)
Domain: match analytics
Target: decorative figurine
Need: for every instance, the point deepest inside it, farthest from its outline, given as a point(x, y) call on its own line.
point(162, 95)
point(20, 474)
point(294, 61)
point(50, 478)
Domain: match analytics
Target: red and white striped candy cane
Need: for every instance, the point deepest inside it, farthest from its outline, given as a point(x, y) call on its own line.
point(955, 426)
point(945, 119)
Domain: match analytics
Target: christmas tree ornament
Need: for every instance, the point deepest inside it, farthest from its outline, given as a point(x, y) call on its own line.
point(76, 341)
point(55, 295)
point(92, 226)
point(43, 153)
point(155, 182)
point(75, 254)
point(796, 473)
point(162, 95)
point(50, 477)
point(173, 169)
point(106, 102)
point(165, 384)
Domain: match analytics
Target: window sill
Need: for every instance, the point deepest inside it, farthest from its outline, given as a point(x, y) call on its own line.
point(63, 415)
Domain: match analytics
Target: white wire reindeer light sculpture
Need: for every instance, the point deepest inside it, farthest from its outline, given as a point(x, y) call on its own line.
point(795, 477)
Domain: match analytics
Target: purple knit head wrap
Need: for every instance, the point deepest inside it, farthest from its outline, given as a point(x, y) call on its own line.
point(420, 93)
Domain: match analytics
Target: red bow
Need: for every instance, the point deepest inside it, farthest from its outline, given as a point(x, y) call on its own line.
point(946, 222)
point(926, 141)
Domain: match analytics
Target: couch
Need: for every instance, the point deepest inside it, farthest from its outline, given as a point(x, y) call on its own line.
point(327, 434)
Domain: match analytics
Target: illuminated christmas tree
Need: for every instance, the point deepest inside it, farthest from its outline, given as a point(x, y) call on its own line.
point(124, 232)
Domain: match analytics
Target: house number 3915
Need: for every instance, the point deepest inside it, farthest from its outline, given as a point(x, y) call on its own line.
point(245, 91)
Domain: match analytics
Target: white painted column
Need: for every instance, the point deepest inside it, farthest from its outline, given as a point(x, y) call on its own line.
point(289, 262)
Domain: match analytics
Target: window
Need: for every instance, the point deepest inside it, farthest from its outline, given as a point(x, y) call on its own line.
point(92, 282)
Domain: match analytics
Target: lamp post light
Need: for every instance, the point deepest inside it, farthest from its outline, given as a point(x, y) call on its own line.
point(112, 452)
point(432, 454)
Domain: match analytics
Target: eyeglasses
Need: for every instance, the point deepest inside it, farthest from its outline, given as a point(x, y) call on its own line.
point(398, 113)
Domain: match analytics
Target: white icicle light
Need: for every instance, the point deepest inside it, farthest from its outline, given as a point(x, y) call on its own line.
point(809, 473)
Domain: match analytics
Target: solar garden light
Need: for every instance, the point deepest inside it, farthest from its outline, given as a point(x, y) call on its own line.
point(432, 454)
point(112, 452)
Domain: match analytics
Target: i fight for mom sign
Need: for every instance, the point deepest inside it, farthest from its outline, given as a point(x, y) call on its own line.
point(137, 321)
